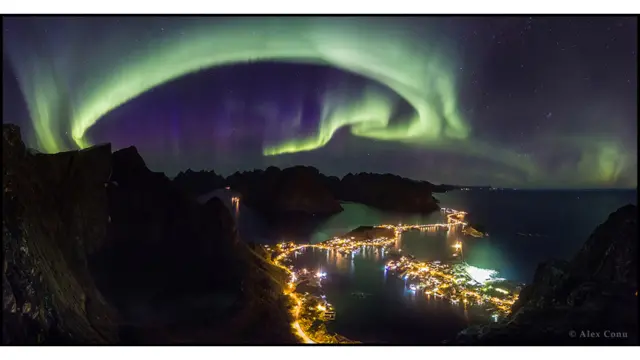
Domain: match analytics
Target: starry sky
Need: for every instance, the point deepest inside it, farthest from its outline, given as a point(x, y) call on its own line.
point(526, 102)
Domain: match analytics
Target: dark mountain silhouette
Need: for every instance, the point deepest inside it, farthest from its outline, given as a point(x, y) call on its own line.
point(303, 190)
point(568, 301)
point(99, 249)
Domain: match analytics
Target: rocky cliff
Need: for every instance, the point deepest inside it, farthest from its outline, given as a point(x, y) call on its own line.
point(99, 249)
point(589, 300)
point(54, 217)
point(155, 231)
point(182, 274)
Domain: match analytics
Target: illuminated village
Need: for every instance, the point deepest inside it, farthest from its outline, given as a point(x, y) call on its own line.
point(456, 282)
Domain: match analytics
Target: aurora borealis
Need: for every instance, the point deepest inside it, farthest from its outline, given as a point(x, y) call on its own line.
point(518, 102)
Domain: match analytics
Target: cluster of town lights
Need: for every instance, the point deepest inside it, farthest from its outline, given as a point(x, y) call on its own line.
point(458, 283)
point(455, 283)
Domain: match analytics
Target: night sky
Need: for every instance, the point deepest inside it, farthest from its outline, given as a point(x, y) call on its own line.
point(526, 102)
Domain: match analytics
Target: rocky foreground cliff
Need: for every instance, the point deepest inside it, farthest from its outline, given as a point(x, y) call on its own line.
point(54, 217)
point(589, 300)
point(98, 249)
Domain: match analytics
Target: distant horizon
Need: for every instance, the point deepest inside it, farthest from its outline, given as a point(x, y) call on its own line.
point(511, 188)
point(421, 97)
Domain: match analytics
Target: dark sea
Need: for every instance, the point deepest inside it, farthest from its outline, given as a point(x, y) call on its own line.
point(525, 227)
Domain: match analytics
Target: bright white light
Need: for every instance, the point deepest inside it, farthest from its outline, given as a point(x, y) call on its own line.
point(480, 275)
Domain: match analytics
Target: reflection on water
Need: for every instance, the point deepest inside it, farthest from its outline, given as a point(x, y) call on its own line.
point(374, 306)
point(355, 215)
point(392, 313)
point(563, 219)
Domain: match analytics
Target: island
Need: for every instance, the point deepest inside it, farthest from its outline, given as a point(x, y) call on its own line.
point(99, 249)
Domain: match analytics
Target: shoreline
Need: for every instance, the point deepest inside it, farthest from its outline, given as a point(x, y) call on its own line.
point(442, 280)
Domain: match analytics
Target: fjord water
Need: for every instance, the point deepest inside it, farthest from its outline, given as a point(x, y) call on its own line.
point(525, 228)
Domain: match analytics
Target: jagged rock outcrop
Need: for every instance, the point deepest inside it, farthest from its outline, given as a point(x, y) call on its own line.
point(590, 300)
point(160, 239)
point(197, 183)
point(99, 249)
point(54, 217)
point(193, 280)
point(279, 193)
point(388, 192)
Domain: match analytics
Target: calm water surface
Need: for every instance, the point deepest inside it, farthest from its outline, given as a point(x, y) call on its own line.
point(525, 228)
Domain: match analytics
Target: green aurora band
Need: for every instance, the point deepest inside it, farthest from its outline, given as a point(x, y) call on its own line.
point(400, 65)
point(70, 93)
